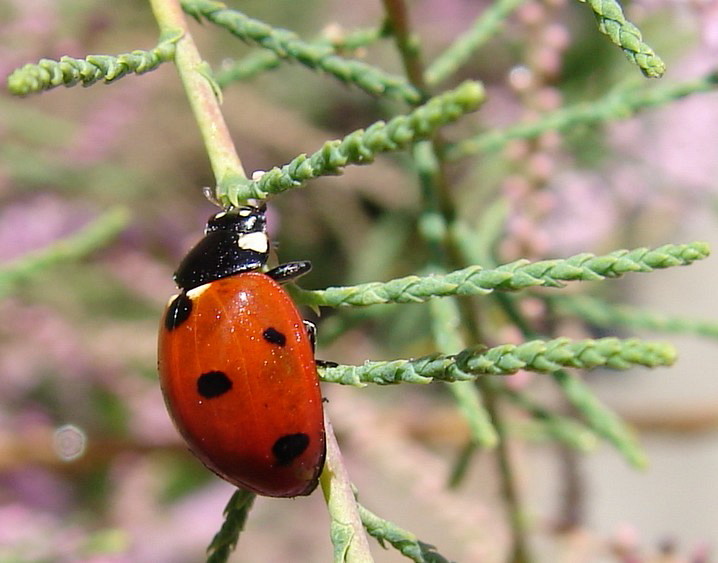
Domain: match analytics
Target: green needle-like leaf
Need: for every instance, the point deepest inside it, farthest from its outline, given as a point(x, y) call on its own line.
point(361, 146)
point(537, 355)
point(404, 541)
point(515, 276)
point(235, 517)
point(287, 45)
point(262, 61)
point(48, 74)
point(613, 23)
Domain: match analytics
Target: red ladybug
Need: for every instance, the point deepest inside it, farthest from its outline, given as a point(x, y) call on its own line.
point(236, 362)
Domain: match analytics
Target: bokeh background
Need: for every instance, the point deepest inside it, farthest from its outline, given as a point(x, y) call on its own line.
point(91, 468)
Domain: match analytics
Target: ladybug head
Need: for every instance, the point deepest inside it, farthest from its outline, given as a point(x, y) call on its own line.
point(235, 241)
point(240, 220)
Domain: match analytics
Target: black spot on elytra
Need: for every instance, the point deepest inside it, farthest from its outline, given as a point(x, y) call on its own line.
point(213, 384)
point(178, 311)
point(274, 336)
point(289, 447)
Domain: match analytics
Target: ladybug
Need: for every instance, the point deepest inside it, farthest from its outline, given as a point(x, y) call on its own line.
point(236, 362)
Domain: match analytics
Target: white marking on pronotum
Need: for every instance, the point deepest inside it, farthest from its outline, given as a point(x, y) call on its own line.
point(216, 216)
point(257, 242)
point(245, 212)
point(195, 292)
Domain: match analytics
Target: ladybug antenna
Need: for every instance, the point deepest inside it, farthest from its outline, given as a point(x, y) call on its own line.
point(258, 204)
point(211, 195)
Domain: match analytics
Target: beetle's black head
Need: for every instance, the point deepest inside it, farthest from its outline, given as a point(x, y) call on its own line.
point(240, 220)
point(235, 241)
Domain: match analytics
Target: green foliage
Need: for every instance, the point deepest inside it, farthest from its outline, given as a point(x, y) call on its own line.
point(262, 61)
point(47, 74)
point(235, 517)
point(515, 276)
point(402, 540)
point(287, 45)
point(360, 147)
point(539, 356)
point(623, 33)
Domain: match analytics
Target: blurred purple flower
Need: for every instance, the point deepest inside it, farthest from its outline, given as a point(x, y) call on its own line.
point(160, 534)
point(34, 329)
point(34, 223)
point(674, 146)
point(35, 535)
point(149, 421)
point(145, 276)
point(106, 124)
point(448, 17)
point(32, 22)
point(708, 20)
point(32, 17)
point(583, 214)
point(35, 488)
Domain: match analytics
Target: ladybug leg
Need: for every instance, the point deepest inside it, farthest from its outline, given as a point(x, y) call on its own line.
point(289, 271)
point(311, 329)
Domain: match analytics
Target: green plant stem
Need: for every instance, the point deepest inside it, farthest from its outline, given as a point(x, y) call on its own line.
point(203, 95)
point(445, 321)
point(438, 213)
point(601, 419)
point(398, 19)
point(440, 204)
point(346, 528)
point(509, 484)
point(432, 170)
point(446, 313)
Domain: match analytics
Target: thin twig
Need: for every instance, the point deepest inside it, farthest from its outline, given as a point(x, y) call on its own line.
point(346, 529)
point(203, 94)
